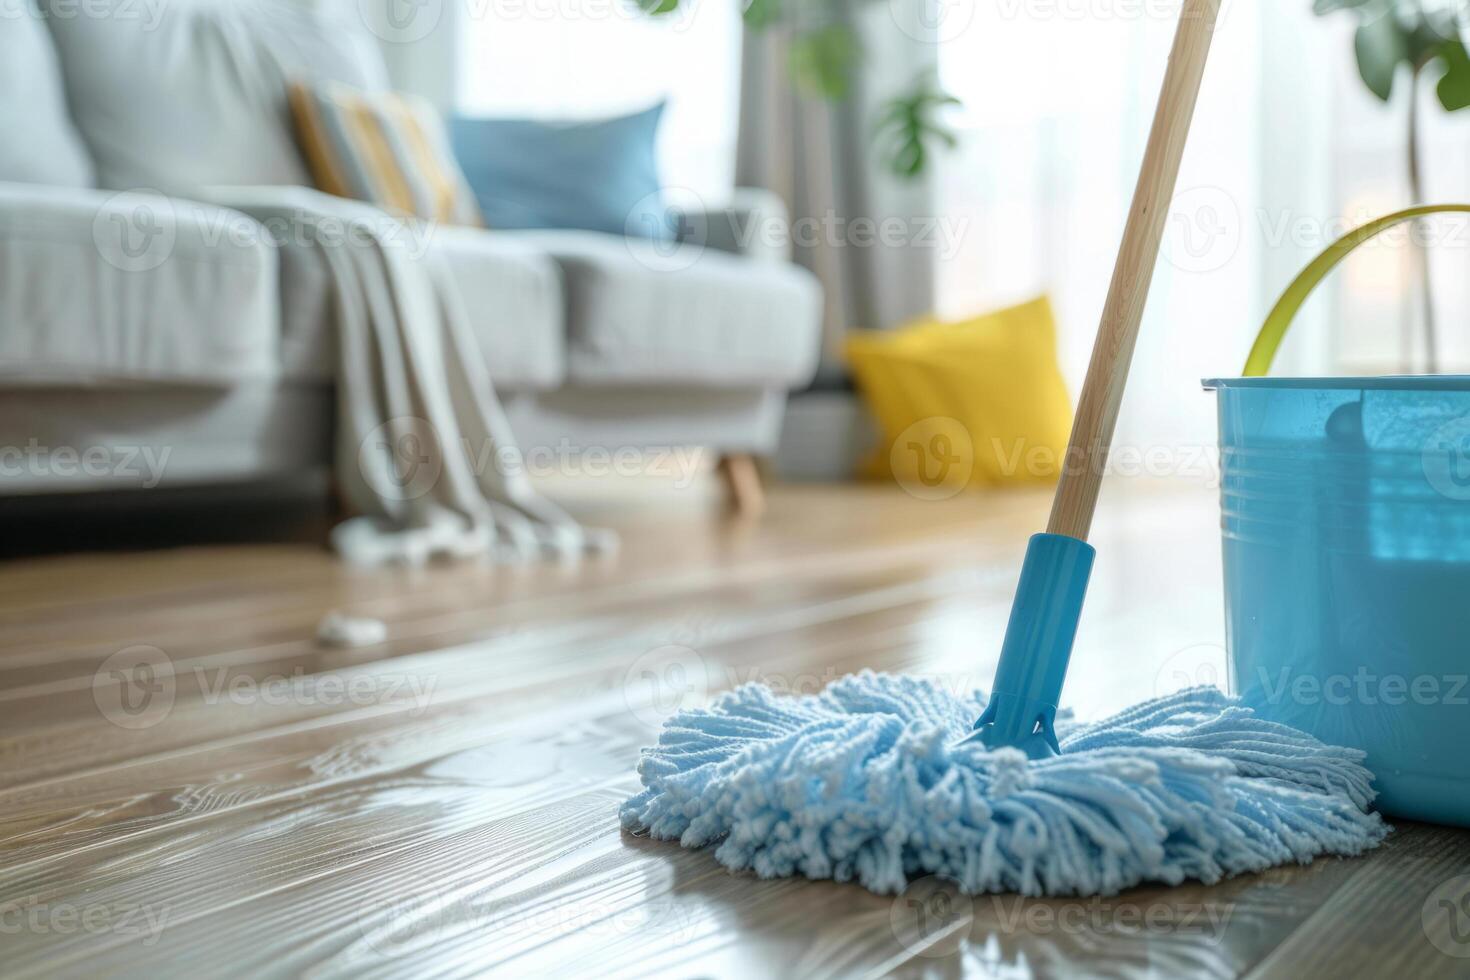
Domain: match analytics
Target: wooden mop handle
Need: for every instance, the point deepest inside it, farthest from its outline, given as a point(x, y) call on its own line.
point(1112, 351)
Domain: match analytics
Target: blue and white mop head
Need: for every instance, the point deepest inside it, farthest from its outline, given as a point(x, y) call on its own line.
point(866, 782)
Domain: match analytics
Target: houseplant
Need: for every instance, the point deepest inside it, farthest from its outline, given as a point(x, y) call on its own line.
point(825, 54)
point(1424, 36)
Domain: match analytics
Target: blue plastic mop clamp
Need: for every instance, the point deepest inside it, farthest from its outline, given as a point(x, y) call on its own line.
point(1038, 645)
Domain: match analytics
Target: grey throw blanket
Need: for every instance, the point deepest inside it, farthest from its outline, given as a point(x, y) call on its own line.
point(423, 450)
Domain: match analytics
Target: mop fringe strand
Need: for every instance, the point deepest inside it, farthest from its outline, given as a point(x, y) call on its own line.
point(865, 782)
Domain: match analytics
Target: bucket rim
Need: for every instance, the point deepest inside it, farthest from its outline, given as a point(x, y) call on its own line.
point(1399, 382)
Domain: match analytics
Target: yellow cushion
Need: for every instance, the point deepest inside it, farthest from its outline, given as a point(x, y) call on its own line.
point(975, 402)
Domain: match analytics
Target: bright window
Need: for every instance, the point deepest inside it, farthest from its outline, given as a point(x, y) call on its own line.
point(581, 59)
point(1058, 99)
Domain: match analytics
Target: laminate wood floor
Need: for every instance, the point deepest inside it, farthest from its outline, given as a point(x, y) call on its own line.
point(191, 786)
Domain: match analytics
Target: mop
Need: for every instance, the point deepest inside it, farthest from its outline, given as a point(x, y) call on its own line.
point(882, 779)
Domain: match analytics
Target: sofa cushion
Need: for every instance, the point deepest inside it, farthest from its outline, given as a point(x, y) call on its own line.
point(385, 148)
point(510, 292)
point(641, 312)
point(530, 173)
point(107, 287)
point(38, 143)
point(195, 95)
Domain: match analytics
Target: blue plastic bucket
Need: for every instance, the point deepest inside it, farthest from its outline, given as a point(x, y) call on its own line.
point(1345, 510)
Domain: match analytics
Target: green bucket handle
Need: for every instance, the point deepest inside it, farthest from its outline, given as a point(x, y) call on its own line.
point(1263, 351)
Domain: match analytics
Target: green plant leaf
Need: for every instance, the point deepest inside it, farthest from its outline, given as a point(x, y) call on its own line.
point(658, 8)
point(1381, 44)
point(822, 60)
point(1454, 87)
point(908, 126)
point(760, 14)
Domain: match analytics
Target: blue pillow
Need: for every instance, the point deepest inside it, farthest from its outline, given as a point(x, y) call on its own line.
point(600, 175)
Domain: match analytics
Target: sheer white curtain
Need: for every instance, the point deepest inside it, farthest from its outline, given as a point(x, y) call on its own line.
point(1288, 151)
point(1058, 101)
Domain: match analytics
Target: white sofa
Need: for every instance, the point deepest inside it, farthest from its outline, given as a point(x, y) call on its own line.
point(144, 310)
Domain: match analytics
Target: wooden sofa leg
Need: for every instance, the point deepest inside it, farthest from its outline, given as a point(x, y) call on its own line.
point(742, 478)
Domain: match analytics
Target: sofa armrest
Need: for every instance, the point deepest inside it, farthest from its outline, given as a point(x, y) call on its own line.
point(754, 224)
point(103, 286)
point(132, 231)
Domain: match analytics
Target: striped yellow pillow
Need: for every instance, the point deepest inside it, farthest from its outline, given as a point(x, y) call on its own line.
point(384, 148)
